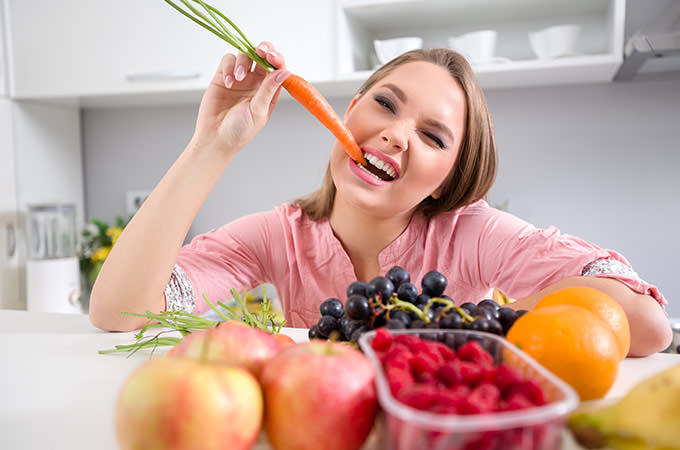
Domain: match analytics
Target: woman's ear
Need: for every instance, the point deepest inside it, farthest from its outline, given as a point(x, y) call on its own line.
point(351, 105)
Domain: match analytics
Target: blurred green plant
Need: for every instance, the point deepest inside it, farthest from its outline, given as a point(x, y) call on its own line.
point(97, 239)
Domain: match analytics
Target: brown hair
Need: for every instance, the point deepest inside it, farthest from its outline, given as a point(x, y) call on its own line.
point(474, 171)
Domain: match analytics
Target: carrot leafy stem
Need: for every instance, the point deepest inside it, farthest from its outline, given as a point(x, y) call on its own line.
point(220, 25)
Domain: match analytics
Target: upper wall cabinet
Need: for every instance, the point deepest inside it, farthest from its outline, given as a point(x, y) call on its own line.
point(143, 52)
point(597, 54)
point(119, 51)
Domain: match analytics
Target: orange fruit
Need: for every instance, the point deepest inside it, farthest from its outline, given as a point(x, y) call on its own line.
point(595, 301)
point(571, 342)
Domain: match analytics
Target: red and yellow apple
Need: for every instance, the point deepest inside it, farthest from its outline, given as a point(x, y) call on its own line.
point(318, 395)
point(232, 343)
point(181, 403)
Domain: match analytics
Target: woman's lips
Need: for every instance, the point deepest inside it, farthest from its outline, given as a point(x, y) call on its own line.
point(364, 174)
point(382, 161)
point(380, 171)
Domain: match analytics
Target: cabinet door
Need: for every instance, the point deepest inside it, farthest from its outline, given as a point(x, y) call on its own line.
point(91, 47)
point(9, 259)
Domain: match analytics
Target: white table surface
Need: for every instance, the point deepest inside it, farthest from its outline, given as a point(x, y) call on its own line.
point(57, 392)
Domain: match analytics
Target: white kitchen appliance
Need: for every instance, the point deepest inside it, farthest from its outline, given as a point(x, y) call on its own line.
point(52, 269)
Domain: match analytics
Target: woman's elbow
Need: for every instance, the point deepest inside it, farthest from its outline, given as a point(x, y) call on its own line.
point(650, 330)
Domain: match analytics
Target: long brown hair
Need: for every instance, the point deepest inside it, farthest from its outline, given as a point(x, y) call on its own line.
point(474, 171)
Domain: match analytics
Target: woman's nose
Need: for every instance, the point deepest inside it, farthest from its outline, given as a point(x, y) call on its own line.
point(395, 138)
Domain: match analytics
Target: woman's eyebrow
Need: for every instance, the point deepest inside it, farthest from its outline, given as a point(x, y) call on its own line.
point(441, 127)
point(398, 92)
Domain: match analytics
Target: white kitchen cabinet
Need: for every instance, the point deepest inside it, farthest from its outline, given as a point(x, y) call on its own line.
point(599, 48)
point(132, 52)
point(102, 52)
point(9, 255)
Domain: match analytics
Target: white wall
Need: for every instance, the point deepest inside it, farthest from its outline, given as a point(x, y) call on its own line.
point(597, 161)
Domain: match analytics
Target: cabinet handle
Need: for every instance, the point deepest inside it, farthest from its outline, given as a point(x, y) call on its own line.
point(160, 76)
point(11, 241)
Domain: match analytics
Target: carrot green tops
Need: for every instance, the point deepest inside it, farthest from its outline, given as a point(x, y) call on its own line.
point(476, 247)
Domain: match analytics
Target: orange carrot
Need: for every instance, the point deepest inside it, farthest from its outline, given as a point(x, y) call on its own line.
point(301, 90)
point(309, 97)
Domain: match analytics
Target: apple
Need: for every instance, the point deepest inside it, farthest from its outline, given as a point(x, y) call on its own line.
point(180, 403)
point(318, 395)
point(232, 343)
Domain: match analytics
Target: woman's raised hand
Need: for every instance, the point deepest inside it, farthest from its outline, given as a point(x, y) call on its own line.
point(238, 101)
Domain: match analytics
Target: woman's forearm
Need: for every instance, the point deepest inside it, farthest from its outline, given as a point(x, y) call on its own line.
point(650, 330)
point(138, 268)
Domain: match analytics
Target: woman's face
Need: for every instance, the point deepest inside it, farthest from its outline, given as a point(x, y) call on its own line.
point(410, 125)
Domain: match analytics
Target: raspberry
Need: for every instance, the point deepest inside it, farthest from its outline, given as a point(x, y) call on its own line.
point(398, 379)
point(396, 355)
point(483, 399)
point(449, 401)
point(406, 339)
point(401, 361)
point(434, 355)
point(472, 351)
point(383, 340)
point(471, 372)
point(426, 377)
point(506, 376)
point(422, 363)
point(513, 402)
point(531, 390)
point(447, 352)
point(419, 396)
point(450, 373)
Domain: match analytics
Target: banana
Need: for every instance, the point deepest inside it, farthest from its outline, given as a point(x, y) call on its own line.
point(648, 417)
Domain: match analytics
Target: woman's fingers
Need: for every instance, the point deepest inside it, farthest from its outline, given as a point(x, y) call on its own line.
point(242, 67)
point(267, 95)
point(267, 51)
point(225, 71)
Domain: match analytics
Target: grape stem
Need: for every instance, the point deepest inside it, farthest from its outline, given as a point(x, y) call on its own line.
point(449, 305)
point(411, 307)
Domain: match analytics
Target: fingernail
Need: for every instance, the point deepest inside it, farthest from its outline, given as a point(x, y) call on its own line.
point(272, 54)
point(263, 48)
point(240, 73)
point(281, 76)
point(228, 81)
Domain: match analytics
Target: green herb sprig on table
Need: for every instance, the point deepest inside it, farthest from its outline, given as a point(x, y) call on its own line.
point(186, 323)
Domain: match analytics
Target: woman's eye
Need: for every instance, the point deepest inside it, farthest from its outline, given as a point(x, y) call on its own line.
point(438, 142)
point(384, 102)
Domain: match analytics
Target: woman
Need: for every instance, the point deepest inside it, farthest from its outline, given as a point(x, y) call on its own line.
point(424, 127)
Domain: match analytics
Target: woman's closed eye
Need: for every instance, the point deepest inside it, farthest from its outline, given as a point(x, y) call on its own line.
point(435, 139)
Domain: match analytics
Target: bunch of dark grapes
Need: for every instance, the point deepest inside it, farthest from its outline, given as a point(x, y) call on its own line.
point(393, 302)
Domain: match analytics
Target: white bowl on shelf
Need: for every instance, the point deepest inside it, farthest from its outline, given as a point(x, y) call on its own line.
point(475, 46)
point(388, 49)
point(555, 42)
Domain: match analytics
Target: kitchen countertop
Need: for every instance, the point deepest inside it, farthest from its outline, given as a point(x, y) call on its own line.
point(57, 392)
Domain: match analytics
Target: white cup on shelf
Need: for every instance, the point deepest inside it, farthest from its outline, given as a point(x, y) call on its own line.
point(555, 42)
point(475, 46)
point(387, 49)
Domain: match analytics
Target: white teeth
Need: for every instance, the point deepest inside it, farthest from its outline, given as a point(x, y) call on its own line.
point(380, 164)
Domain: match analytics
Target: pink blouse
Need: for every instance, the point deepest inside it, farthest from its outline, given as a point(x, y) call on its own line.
point(476, 247)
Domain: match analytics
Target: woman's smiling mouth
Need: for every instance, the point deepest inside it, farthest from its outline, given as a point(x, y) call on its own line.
point(379, 167)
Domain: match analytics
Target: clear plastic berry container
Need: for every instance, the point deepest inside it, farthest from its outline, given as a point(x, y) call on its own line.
point(401, 427)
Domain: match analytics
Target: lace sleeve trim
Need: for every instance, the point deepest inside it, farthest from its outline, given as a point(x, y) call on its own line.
point(179, 294)
point(608, 266)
